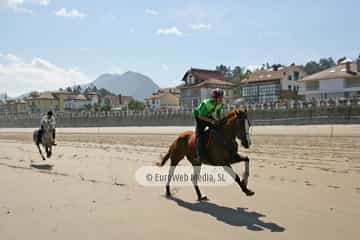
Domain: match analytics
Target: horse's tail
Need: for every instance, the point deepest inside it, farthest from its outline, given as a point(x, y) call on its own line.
point(177, 150)
point(164, 159)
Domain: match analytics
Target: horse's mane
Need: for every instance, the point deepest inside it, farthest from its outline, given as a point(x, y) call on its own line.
point(233, 113)
point(230, 116)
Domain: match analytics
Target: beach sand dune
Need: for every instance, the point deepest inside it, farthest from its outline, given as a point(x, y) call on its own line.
point(307, 187)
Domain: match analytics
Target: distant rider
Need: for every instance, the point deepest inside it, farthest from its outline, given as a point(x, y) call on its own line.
point(47, 120)
point(203, 116)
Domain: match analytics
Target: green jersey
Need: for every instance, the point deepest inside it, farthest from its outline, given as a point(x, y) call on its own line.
point(208, 107)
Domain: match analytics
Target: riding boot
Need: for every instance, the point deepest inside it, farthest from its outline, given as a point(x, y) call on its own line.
point(200, 149)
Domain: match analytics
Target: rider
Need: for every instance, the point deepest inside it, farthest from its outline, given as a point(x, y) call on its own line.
point(203, 116)
point(49, 118)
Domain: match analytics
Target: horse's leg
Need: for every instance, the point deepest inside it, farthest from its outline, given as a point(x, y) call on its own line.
point(171, 174)
point(174, 160)
point(239, 158)
point(236, 177)
point(197, 169)
point(48, 151)
point(42, 155)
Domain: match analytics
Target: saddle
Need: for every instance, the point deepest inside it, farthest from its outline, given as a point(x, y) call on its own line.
point(208, 137)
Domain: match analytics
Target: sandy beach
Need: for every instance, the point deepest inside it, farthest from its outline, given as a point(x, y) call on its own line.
point(307, 186)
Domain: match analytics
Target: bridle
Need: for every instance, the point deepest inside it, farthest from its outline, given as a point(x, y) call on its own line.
point(246, 133)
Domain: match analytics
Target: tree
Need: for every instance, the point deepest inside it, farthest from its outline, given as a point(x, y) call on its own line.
point(312, 67)
point(136, 105)
point(97, 107)
point(267, 65)
point(326, 63)
point(238, 74)
point(68, 89)
point(94, 89)
point(104, 92)
point(77, 89)
point(222, 68)
point(226, 71)
point(88, 107)
point(106, 107)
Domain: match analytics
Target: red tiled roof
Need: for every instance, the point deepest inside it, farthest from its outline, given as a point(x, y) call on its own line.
point(338, 71)
point(77, 98)
point(169, 90)
point(214, 82)
point(203, 74)
point(45, 95)
point(269, 74)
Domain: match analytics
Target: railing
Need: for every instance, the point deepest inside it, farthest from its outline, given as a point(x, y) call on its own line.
point(324, 114)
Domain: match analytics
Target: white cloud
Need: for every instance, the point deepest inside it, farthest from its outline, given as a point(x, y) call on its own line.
point(201, 26)
point(42, 2)
point(151, 12)
point(165, 67)
point(18, 76)
point(83, 49)
point(10, 3)
point(22, 10)
point(11, 58)
point(16, 4)
point(253, 67)
point(70, 13)
point(192, 12)
point(115, 69)
point(169, 31)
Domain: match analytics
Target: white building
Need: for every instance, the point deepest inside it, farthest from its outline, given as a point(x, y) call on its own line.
point(166, 98)
point(198, 84)
point(92, 97)
point(271, 85)
point(341, 81)
point(76, 102)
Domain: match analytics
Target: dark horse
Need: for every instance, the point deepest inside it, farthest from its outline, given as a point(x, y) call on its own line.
point(220, 153)
point(46, 140)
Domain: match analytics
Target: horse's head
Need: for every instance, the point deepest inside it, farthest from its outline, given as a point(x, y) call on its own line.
point(241, 126)
point(48, 133)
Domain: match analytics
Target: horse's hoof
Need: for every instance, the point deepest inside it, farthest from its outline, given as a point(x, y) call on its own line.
point(203, 198)
point(249, 193)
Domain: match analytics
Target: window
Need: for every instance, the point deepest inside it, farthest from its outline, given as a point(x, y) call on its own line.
point(289, 77)
point(191, 79)
point(354, 82)
point(289, 87)
point(312, 86)
point(194, 102)
point(296, 76)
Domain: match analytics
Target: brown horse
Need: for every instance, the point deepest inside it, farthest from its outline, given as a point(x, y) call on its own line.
point(46, 140)
point(234, 125)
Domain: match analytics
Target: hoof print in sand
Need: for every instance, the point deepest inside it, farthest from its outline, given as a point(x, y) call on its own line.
point(42, 166)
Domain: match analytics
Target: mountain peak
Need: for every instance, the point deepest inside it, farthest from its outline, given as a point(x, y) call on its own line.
point(129, 83)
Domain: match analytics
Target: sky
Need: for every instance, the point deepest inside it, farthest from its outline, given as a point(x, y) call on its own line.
point(48, 44)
